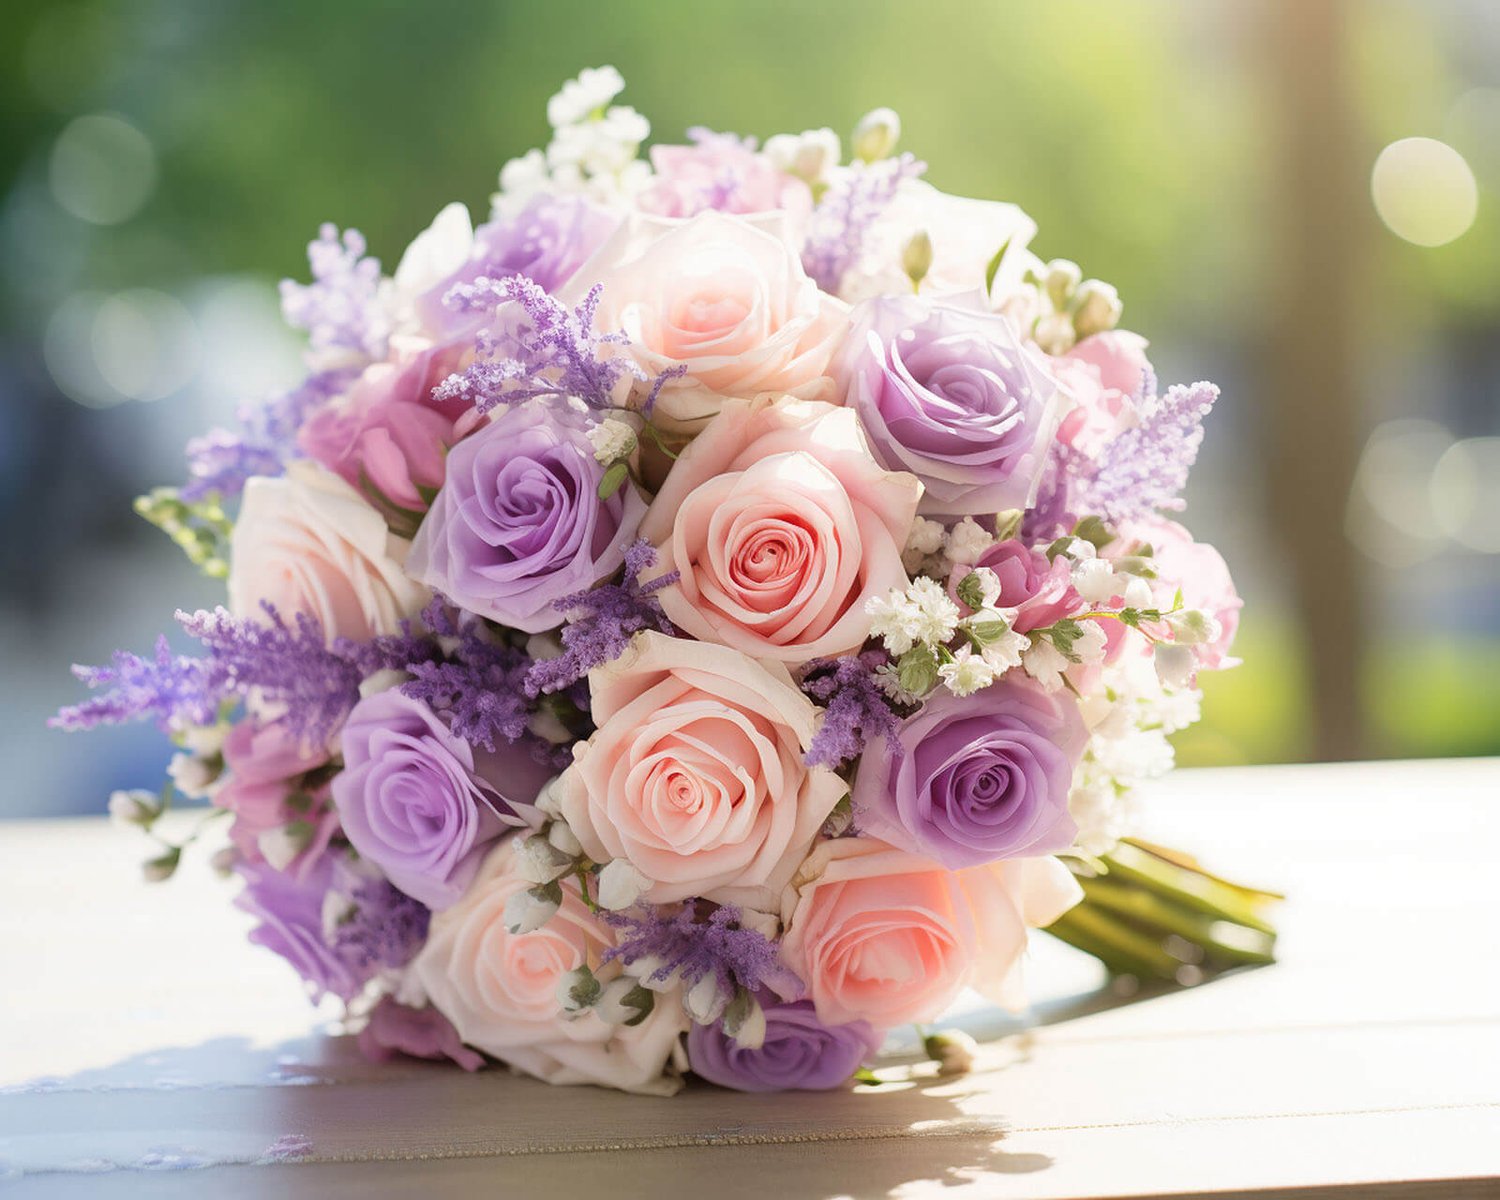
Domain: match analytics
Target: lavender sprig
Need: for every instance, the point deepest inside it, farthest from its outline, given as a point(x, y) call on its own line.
point(1143, 469)
point(681, 945)
point(286, 664)
point(384, 928)
point(856, 709)
point(604, 620)
point(853, 203)
point(342, 309)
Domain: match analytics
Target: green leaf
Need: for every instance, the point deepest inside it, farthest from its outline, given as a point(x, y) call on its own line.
point(986, 633)
point(1094, 531)
point(994, 268)
point(918, 670)
point(1063, 635)
point(613, 479)
point(971, 590)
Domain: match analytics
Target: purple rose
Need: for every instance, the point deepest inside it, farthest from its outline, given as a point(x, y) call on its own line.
point(951, 395)
point(799, 1052)
point(977, 778)
point(418, 801)
point(519, 523)
point(416, 1032)
point(289, 912)
point(547, 241)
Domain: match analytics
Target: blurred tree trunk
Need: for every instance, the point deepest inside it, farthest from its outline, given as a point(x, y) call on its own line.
point(1315, 234)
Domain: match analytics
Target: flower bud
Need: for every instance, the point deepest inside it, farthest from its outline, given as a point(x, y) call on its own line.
point(620, 885)
point(980, 588)
point(223, 861)
point(916, 257)
point(545, 725)
point(809, 155)
point(578, 990)
point(1174, 664)
point(1054, 333)
point(876, 135)
point(193, 776)
point(1192, 626)
point(953, 1050)
point(134, 807)
point(546, 800)
point(624, 1001)
point(337, 908)
point(1095, 580)
point(745, 1021)
point(163, 866)
point(705, 1000)
point(281, 844)
point(644, 969)
point(381, 681)
point(1096, 308)
point(1137, 593)
point(539, 861)
point(1059, 280)
point(564, 840)
point(530, 910)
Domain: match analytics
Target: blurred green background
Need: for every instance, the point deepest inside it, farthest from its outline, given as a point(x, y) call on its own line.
point(164, 161)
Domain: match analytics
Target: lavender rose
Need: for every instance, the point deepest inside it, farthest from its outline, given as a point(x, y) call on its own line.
point(289, 915)
point(418, 801)
point(951, 395)
point(977, 779)
point(519, 523)
point(799, 1052)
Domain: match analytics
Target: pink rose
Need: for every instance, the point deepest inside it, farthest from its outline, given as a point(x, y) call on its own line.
point(881, 935)
point(696, 775)
point(1200, 571)
point(1041, 592)
point(720, 172)
point(386, 433)
point(264, 791)
point(499, 989)
point(724, 297)
point(308, 543)
point(782, 525)
point(1103, 374)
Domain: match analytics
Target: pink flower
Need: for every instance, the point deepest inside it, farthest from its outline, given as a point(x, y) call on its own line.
point(782, 525)
point(881, 935)
point(1041, 592)
point(386, 434)
point(1103, 373)
point(696, 775)
point(308, 543)
point(499, 989)
point(266, 763)
point(724, 297)
point(1200, 571)
point(394, 1029)
point(720, 172)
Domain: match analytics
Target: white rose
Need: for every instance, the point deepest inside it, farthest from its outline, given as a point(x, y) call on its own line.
point(307, 543)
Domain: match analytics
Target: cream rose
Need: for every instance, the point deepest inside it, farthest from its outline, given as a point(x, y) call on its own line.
point(696, 775)
point(724, 297)
point(782, 525)
point(499, 989)
point(881, 935)
point(308, 543)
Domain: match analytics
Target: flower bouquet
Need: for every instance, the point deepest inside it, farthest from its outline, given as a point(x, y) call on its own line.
point(698, 620)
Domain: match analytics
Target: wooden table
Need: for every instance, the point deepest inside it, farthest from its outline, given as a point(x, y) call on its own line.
point(142, 1038)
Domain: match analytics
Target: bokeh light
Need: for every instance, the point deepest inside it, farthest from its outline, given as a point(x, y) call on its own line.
point(145, 344)
point(1424, 191)
point(103, 169)
point(1465, 489)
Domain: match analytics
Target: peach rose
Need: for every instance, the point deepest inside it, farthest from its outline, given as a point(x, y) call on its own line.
point(499, 989)
point(881, 935)
point(308, 543)
point(723, 296)
point(695, 775)
point(782, 525)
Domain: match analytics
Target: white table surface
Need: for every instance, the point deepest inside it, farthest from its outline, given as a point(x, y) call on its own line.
point(147, 1050)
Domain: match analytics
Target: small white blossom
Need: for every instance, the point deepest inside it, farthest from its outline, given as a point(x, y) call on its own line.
point(935, 615)
point(1174, 664)
point(381, 681)
point(887, 678)
point(953, 1050)
point(989, 587)
point(612, 440)
point(967, 541)
point(281, 844)
point(191, 775)
point(705, 1000)
point(1054, 333)
point(745, 1021)
point(564, 840)
point(1095, 580)
point(134, 807)
point(924, 541)
point(1007, 650)
point(809, 155)
point(1089, 645)
point(644, 968)
point(1045, 663)
point(1078, 549)
point(967, 673)
point(1138, 593)
point(1193, 626)
point(337, 908)
point(204, 740)
point(223, 860)
point(547, 801)
point(545, 724)
point(162, 867)
point(876, 135)
point(622, 1000)
point(578, 990)
point(526, 911)
point(893, 620)
point(539, 861)
point(580, 98)
point(1096, 308)
point(620, 885)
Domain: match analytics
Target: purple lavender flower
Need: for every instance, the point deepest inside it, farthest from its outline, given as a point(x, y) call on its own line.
point(383, 929)
point(342, 310)
point(799, 1052)
point(687, 947)
point(601, 622)
point(836, 234)
point(855, 708)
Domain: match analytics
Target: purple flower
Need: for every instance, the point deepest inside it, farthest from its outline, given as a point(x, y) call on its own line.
point(289, 910)
point(519, 523)
point(977, 779)
point(799, 1052)
point(416, 1032)
point(951, 395)
point(415, 800)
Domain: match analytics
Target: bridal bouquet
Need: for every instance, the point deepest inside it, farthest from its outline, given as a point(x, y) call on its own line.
point(697, 620)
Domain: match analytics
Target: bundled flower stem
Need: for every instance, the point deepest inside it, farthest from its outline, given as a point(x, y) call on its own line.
point(1156, 914)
